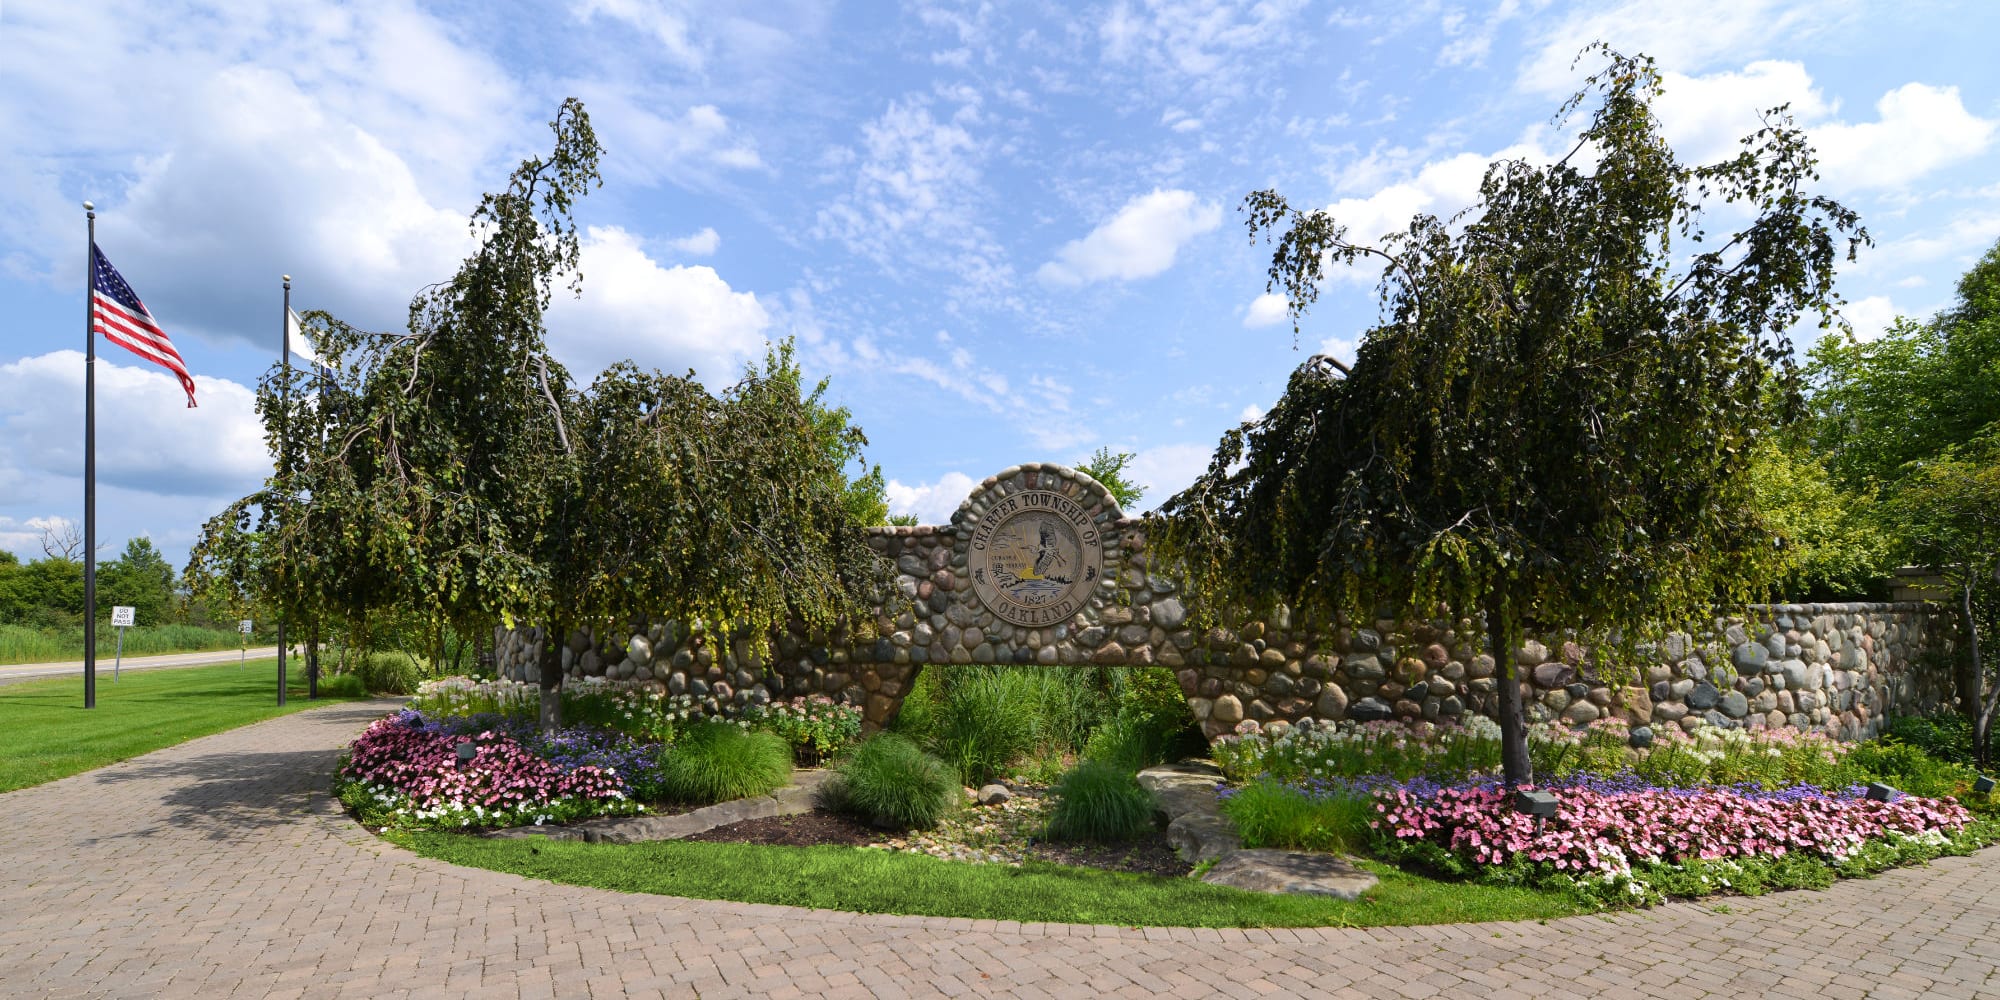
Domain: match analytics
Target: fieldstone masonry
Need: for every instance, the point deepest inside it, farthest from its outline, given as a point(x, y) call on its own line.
point(1039, 566)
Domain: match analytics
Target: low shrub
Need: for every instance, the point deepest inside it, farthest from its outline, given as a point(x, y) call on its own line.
point(1317, 816)
point(390, 673)
point(720, 761)
point(342, 686)
point(1099, 801)
point(817, 728)
point(889, 780)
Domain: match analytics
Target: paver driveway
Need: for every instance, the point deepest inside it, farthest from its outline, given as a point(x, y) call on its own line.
point(220, 868)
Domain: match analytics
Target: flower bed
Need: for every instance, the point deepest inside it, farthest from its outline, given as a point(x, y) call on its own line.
point(406, 770)
point(1681, 815)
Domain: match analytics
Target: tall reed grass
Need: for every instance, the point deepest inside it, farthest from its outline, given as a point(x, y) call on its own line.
point(20, 644)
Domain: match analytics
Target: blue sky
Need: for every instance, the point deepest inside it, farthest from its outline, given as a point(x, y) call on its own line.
point(1006, 232)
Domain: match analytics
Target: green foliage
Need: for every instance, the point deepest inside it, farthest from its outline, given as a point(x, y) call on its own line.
point(1549, 424)
point(1099, 801)
point(887, 779)
point(721, 761)
point(1835, 547)
point(1911, 770)
point(1272, 814)
point(1946, 736)
point(1108, 468)
point(1919, 391)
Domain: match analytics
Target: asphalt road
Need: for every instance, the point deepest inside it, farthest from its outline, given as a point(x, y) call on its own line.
point(16, 672)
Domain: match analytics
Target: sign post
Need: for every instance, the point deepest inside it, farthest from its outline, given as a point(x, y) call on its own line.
point(121, 616)
point(243, 627)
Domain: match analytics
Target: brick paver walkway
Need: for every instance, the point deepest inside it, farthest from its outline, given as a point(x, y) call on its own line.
point(218, 868)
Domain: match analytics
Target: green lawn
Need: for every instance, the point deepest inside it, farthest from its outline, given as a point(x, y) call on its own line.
point(46, 734)
point(871, 881)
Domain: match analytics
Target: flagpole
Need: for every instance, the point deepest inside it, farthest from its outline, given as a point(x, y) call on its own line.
point(90, 460)
point(284, 456)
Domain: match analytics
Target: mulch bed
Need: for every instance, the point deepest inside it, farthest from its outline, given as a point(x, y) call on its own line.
point(1149, 855)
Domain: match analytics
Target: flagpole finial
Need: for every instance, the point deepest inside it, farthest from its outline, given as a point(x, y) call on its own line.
point(287, 277)
point(88, 207)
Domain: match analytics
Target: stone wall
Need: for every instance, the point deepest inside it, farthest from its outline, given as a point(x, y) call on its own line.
point(1836, 667)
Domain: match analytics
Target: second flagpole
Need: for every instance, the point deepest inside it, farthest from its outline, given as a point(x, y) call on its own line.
point(284, 456)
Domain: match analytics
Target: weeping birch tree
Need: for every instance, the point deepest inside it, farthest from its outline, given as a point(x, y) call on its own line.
point(1550, 425)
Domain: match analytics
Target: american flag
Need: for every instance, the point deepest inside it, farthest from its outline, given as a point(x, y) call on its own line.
point(124, 321)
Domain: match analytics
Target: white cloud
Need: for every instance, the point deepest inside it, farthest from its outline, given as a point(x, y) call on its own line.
point(1871, 317)
point(692, 147)
point(1168, 469)
point(1251, 412)
point(1921, 129)
point(267, 179)
point(24, 538)
point(916, 198)
point(1339, 349)
point(700, 244)
point(1268, 309)
point(147, 437)
point(670, 318)
point(1685, 36)
point(667, 28)
point(1205, 45)
point(1705, 117)
point(1140, 241)
point(933, 503)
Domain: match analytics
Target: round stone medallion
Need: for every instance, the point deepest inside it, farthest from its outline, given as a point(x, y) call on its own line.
point(1035, 558)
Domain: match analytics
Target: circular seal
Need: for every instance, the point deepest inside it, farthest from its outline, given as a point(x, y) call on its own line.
point(1035, 558)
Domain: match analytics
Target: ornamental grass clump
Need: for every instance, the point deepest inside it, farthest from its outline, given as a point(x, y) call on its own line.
point(1318, 815)
point(985, 720)
point(888, 780)
point(1099, 801)
point(720, 761)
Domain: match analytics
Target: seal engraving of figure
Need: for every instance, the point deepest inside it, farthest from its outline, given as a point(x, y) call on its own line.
point(1035, 558)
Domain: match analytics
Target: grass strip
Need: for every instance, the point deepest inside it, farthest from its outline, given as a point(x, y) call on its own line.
point(46, 733)
point(877, 881)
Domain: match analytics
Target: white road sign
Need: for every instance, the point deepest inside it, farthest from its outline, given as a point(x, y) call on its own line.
point(243, 626)
point(121, 615)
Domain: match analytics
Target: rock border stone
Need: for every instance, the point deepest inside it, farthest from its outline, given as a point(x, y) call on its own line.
point(1184, 794)
point(798, 797)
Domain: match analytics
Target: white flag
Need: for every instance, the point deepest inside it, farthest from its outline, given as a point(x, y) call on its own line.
point(296, 337)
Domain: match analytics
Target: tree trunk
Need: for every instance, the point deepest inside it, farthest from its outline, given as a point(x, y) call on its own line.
point(1982, 728)
point(1514, 764)
point(551, 679)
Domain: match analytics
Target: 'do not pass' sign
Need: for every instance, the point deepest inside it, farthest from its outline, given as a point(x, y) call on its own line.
point(1035, 558)
point(121, 616)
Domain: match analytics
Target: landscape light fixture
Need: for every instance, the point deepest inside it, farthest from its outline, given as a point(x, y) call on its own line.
point(1983, 785)
point(1540, 805)
point(466, 751)
point(1879, 792)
